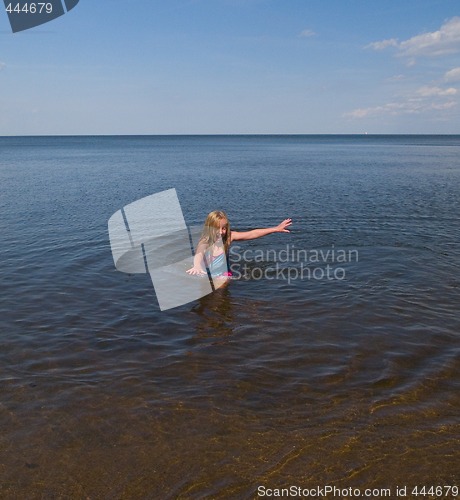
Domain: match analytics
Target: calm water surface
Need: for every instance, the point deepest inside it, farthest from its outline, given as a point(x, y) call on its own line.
point(351, 382)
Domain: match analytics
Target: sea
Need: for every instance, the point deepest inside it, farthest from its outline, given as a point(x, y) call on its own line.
point(328, 364)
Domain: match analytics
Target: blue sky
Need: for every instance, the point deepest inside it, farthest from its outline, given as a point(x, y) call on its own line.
point(235, 66)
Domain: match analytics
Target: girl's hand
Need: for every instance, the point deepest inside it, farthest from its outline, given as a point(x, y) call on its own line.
point(281, 228)
point(196, 271)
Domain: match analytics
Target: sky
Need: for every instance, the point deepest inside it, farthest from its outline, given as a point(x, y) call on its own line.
point(235, 67)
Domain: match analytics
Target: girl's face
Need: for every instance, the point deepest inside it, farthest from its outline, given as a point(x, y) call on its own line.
point(222, 229)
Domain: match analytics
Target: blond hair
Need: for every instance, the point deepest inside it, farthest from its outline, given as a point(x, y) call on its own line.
point(211, 233)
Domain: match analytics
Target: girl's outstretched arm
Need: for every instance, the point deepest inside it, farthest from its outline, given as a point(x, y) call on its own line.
point(258, 233)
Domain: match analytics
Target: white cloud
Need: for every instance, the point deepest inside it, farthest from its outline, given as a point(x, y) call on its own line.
point(396, 78)
point(444, 41)
point(428, 91)
point(453, 75)
point(433, 98)
point(424, 99)
point(307, 33)
point(392, 42)
point(392, 108)
point(443, 105)
point(2, 65)
point(411, 106)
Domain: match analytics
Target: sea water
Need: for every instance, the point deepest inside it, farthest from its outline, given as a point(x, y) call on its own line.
point(289, 375)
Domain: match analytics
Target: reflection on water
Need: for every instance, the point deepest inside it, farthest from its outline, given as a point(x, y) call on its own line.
point(351, 382)
point(215, 312)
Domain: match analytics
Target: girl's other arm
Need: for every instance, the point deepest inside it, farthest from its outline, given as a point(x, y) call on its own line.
point(199, 267)
point(258, 233)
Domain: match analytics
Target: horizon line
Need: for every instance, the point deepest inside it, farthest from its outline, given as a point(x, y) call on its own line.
point(362, 134)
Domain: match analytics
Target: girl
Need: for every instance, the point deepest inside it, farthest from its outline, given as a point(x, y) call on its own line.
point(214, 244)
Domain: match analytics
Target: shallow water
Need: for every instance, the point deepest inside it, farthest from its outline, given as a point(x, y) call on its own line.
point(276, 381)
